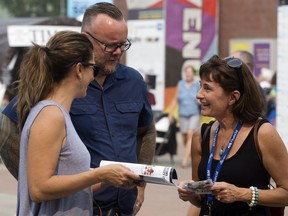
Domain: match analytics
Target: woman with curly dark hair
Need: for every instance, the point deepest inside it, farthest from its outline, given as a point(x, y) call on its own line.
point(239, 151)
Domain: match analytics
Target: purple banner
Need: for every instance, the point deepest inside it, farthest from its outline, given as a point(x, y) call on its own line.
point(262, 57)
point(191, 37)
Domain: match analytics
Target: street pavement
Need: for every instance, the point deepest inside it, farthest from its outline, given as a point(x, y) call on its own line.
point(163, 200)
point(8, 192)
point(160, 200)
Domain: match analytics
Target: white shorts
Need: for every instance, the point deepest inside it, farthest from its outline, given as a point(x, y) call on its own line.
point(188, 123)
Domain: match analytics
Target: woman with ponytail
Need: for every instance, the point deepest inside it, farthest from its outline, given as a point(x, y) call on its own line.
point(54, 169)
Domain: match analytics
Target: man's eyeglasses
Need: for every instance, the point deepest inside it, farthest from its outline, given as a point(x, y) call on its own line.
point(110, 48)
point(236, 64)
point(95, 68)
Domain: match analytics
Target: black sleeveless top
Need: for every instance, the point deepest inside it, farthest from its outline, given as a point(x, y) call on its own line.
point(244, 169)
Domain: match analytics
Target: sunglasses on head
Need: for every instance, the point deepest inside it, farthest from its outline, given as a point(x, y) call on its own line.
point(236, 64)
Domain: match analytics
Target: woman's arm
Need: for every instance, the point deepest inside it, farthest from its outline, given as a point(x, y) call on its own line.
point(47, 137)
point(185, 194)
point(196, 150)
point(275, 160)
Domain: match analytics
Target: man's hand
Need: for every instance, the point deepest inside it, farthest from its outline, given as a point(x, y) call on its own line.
point(140, 197)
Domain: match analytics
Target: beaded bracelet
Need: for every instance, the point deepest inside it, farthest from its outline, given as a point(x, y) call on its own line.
point(255, 195)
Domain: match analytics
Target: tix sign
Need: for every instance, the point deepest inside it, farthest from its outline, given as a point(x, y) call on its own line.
point(24, 35)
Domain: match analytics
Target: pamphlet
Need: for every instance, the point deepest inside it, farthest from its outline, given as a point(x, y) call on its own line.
point(199, 187)
point(150, 173)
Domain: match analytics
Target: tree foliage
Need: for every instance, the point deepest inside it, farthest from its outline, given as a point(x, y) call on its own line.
point(34, 8)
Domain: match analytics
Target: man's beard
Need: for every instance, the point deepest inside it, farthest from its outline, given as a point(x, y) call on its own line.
point(104, 71)
point(107, 65)
point(107, 69)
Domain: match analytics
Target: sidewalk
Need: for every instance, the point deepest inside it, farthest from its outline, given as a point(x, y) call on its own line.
point(8, 192)
point(163, 200)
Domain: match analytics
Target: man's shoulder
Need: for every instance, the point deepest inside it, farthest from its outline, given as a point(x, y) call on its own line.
point(10, 110)
point(126, 71)
point(122, 67)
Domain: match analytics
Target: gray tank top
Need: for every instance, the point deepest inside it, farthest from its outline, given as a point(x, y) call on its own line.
point(74, 158)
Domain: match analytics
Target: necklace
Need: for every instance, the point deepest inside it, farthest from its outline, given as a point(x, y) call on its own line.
point(221, 150)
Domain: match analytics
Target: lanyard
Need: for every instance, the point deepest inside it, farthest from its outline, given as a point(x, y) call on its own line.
point(224, 155)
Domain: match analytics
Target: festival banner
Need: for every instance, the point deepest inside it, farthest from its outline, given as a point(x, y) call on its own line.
point(191, 38)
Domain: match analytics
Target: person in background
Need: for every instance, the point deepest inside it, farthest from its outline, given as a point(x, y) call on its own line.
point(188, 109)
point(264, 79)
point(248, 59)
point(115, 120)
point(226, 152)
point(272, 100)
point(54, 169)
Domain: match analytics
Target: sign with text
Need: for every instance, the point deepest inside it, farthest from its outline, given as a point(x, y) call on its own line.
point(147, 53)
point(24, 35)
point(263, 50)
point(76, 8)
point(191, 38)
